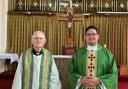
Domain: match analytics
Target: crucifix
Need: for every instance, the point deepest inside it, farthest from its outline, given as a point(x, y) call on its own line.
point(70, 17)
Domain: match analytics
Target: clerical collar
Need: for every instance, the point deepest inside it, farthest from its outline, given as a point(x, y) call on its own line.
point(37, 53)
point(92, 47)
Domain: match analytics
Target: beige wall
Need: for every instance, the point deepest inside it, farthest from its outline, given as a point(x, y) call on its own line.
point(3, 24)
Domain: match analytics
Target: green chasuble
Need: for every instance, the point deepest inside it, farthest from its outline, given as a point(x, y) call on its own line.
point(45, 69)
point(106, 69)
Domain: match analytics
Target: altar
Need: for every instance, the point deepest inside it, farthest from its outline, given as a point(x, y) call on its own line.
point(62, 62)
point(12, 57)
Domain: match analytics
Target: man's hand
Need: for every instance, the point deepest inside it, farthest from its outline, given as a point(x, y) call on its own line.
point(85, 80)
point(90, 81)
point(95, 81)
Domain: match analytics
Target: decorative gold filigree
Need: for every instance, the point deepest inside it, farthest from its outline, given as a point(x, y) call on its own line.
point(92, 4)
point(107, 5)
point(122, 5)
point(35, 3)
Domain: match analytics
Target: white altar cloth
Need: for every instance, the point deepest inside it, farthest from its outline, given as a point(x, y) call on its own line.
point(62, 56)
point(11, 56)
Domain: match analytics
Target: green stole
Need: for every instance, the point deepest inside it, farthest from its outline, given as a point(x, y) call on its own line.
point(45, 69)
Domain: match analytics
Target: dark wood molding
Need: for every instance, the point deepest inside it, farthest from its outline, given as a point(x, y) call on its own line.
point(30, 13)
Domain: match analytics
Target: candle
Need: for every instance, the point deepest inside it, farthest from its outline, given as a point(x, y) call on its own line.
point(40, 5)
point(70, 3)
point(25, 5)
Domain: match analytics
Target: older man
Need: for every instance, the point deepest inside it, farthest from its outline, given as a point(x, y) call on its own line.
point(36, 68)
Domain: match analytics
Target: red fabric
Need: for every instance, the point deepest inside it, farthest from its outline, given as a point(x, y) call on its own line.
point(6, 79)
point(123, 85)
point(69, 51)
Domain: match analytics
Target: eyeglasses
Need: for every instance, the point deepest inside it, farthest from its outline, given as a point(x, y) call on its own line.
point(92, 34)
